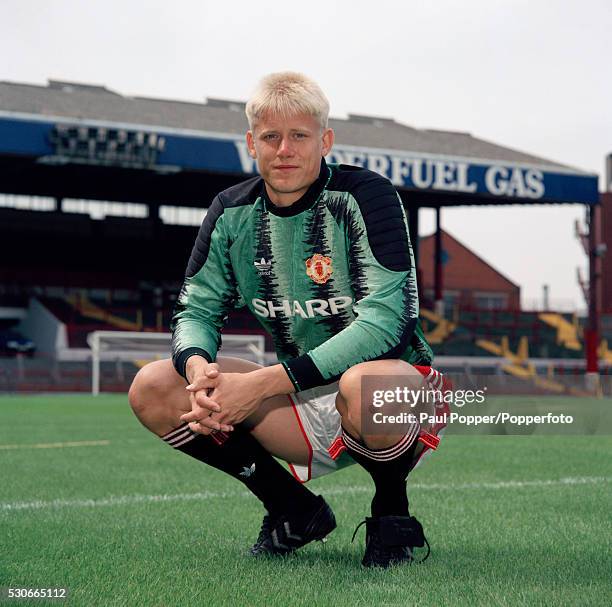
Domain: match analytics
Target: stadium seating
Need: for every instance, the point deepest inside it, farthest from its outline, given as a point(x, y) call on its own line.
point(548, 336)
point(544, 337)
point(81, 316)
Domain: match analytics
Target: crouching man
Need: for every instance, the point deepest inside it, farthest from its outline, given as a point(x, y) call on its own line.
point(321, 255)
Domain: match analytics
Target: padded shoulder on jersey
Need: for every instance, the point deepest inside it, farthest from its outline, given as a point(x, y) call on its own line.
point(201, 247)
point(381, 210)
point(245, 192)
point(241, 194)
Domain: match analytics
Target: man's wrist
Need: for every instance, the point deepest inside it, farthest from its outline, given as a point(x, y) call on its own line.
point(194, 364)
point(180, 359)
point(274, 380)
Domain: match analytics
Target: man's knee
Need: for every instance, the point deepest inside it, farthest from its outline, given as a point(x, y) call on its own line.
point(152, 383)
point(349, 402)
point(350, 381)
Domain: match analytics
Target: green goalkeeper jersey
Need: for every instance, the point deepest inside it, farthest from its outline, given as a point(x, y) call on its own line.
point(331, 277)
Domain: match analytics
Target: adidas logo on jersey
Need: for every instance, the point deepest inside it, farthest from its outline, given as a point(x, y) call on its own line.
point(263, 266)
point(308, 309)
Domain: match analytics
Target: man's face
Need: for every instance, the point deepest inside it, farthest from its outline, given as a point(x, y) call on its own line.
point(288, 153)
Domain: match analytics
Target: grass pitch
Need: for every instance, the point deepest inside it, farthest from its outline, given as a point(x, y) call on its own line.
point(120, 519)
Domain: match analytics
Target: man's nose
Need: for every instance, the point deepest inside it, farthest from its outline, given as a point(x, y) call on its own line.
point(285, 148)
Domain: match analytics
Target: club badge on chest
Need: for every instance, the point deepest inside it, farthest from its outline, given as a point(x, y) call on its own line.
point(319, 268)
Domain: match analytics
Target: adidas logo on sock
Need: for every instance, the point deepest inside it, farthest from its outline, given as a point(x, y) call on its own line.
point(247, 472)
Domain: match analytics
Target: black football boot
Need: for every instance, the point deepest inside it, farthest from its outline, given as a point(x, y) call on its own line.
point(392, 540)
point(282, 534)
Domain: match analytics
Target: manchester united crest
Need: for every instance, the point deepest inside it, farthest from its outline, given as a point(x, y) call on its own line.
point(319, 268)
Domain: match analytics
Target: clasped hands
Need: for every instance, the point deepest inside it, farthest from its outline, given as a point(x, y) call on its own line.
point(220, 400)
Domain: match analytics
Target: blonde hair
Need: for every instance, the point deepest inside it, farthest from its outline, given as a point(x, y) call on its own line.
point(286, 94)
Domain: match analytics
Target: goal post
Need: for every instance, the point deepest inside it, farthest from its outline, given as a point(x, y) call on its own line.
point(137, 346)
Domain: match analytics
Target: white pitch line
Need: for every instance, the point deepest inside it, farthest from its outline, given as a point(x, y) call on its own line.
point(571, 480)
point(83, 443)
point(127, 500)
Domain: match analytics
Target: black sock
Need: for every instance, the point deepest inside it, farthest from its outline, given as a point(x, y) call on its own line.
point(389, 469)
point(242, 457)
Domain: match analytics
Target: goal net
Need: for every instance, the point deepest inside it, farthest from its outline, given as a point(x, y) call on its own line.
point(141, 348)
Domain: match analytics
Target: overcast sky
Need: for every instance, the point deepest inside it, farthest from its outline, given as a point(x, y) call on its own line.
point(531, 75)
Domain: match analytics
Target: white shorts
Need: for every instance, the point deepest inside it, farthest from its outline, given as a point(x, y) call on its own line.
point(319, 422)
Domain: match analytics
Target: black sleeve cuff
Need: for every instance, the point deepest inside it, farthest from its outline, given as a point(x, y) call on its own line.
point(303, 373)
point(180, 361)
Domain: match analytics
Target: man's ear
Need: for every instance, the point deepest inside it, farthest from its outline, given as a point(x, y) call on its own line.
point(328, 141)
point(250, 140)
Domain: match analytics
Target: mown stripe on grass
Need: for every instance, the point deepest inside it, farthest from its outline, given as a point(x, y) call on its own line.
point(122, 500)
point(83, 443)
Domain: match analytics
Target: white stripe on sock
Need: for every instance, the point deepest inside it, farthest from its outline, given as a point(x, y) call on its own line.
point(172, 433)
point(189, 438)
point(387, 454)
point(179, 437)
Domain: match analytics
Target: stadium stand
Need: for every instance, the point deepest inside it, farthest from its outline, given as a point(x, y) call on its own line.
point(81, 316)
point(96, 271)
point(513, 325)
